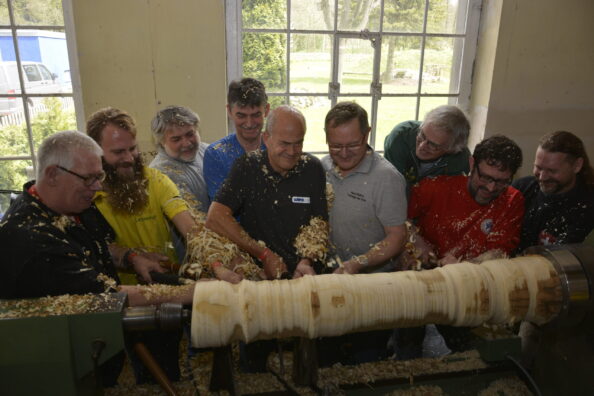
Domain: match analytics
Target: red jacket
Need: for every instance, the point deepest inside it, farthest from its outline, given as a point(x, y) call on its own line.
point(451, 220)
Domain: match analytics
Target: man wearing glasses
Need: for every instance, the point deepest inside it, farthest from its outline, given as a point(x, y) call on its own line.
point(367, 218)
point(462, 217)
point(437, 146)
point(55, 241)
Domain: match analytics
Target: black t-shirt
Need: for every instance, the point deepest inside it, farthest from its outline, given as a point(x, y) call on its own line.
point(44, 253)
point(272, 208)
point(556, 218)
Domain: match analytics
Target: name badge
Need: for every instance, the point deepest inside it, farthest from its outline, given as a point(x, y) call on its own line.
point(301, 200)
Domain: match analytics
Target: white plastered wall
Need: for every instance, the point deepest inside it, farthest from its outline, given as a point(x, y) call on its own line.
point(534, 72)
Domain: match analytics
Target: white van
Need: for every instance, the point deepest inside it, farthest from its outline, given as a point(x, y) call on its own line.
point(37, 79)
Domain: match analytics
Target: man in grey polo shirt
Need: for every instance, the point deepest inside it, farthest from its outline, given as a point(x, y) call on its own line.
point(366, 219)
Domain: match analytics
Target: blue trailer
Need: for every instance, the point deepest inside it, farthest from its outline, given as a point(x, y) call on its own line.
point(42, 46)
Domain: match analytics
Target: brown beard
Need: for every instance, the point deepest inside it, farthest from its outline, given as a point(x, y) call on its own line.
point(126, 195)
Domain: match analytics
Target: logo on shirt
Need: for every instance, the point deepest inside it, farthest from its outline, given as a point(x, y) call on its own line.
point(357, 196)
point(301, 200)
point(487, 226)
point(545, 238)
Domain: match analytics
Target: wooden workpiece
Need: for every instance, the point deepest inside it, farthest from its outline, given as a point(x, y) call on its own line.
point(464, 294)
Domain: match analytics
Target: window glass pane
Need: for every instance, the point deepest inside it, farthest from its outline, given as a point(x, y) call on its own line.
point(38, 12)
point(392, 111)
point(312, 15)
point(440, 75)
point(404, 16)
point(311, 62)
point(314, 109)
point(41, 49)
point(4, 19)
point(274, 101)
point(264, 58)
point(13, 174)
point(264, 14)
point(356, 66)
point(401, 59)
point(50, 115)
point(428, 104)
point(358, 15)
point(447, 16)
point(13, 131)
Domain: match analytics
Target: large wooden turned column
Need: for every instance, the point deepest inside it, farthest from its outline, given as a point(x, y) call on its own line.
point(464, 294)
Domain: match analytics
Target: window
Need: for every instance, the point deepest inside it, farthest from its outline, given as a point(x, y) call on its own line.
point(398, 59)
point(35, 89)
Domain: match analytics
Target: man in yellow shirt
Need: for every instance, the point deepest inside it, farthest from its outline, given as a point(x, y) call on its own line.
point(139, 202)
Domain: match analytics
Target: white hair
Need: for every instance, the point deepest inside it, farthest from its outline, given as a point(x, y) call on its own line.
point(61, 149)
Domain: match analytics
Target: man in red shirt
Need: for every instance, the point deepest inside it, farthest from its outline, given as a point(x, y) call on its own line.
point(462, 217)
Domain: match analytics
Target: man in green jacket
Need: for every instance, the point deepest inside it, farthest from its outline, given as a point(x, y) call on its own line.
point(436, 146)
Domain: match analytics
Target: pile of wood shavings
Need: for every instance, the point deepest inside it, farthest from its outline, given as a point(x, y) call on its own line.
point(389, 369)
point(312, 240)
point(57, 305)
point(509, 386)
point(206, 247)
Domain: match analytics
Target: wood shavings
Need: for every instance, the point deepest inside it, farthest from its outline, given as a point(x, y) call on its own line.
point(61, 222)
point(312, 240)
point(206, 247)
point(156, 291)
point(411, 250)
point(57, 305)
point(330, 195)
point(509, 386)
point(109, 282)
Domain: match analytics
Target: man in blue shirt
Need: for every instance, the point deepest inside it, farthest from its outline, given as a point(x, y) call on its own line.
point(247, 107)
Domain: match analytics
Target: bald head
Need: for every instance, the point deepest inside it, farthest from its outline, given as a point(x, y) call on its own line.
point(285, 130)
point(283, 116)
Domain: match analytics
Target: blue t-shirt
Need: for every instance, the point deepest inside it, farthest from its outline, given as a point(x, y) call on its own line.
point(218, 159)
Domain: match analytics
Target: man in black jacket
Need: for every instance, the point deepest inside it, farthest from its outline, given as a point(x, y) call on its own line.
point(559, 197)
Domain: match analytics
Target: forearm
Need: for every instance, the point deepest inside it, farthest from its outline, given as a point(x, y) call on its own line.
point(118, 254)
point(221, 221)
point(158, 294)
point(388, 248)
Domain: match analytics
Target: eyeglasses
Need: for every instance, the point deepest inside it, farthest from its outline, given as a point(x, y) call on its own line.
point(431, 146)
point(337, 148)
point(87, 180)
point(488, 179)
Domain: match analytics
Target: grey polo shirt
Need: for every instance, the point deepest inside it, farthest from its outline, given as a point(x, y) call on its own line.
point(371, 197)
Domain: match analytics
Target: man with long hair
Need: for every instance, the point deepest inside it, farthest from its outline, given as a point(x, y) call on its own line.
point(560, 196)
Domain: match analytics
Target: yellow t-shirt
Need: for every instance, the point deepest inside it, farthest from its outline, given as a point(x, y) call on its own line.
point(148, 229)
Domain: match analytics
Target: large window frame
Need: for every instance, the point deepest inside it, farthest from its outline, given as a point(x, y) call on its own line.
point(26, 97)
point(463, 62)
